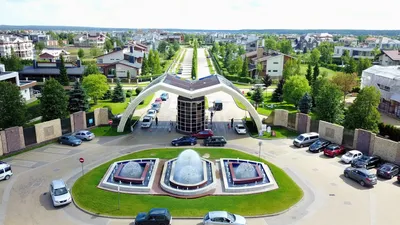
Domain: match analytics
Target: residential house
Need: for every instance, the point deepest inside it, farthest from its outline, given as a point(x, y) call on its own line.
point(383, 43)
point(172, 37)
point(90, 40)
point(387, 80)
point(310, 41)
point(22, 46)
point(355, 52)
point(123, 60)
point(349, 41)
point(53, 54)
point(40, 71)
point(39, 37)
point(389, 57)
point(25, 86)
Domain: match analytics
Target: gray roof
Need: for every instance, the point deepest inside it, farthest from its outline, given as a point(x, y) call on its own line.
point(189, 84)
point(29, 70)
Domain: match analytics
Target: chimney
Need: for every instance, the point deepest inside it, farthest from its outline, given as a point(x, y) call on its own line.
point(260, 52)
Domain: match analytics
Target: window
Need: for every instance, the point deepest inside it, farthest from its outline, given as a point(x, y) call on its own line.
point(7, 169)
point(276, 62)
point(274, 71)
point(269, 70)
point(1, 171)
point(383, 87)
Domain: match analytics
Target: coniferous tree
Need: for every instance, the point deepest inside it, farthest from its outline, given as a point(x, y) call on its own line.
point(145, 66)
point(277, 96)
point(257, 96)
point(267, 80)
point(64, 80)
point(54, 101)
point(118, 93)
point(316, 72)
point(107, 95)
point(78, 100)
point(245, 68)
point(13, 107)
point(309, 75)
point(305, 103)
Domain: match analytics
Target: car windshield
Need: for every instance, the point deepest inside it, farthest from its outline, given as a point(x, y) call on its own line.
point(88, 133)
point(146, 120)
point(60, 191)
point(150, 112)
point(332, 147)
point(349, 154)
point(386, 168)
point(231, 217)
point(318, 142)
point(155, 105)
point(364, 158)
point(240, 127)
point(300, 138)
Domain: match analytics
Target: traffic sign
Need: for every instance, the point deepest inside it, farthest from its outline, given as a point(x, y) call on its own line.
point(82, 160)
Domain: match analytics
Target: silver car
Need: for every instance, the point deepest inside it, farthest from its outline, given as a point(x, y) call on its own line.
point(240, 129)
point(84, 135)
point(59, 193)
point(146, 122)
point(223, 217)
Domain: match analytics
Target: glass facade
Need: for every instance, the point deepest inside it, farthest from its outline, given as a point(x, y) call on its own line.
point(191, 115)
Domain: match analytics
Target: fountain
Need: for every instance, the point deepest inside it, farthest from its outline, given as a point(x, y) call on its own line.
point(188, 168)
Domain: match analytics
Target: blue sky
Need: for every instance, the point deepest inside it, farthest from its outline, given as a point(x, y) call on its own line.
point(204, 14)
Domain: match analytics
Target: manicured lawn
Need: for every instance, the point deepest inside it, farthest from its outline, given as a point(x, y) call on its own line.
point(303, 70)
point(119, 107)
point(146, 102)
point(280, 132)
point(88, 196)
point(74, 51)
point(33, 110)
point(206, 103)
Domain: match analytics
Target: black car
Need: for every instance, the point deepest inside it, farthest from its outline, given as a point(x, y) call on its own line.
point(319, 145)
point(366, 162)
point(154, 217)
point(185, 140)
point(388, 170)
point(215, 141)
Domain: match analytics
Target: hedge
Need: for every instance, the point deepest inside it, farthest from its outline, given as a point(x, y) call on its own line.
point(389, 130)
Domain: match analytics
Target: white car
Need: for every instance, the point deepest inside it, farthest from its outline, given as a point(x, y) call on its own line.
point(146, 122)
point(152, 113)
point(223, 217)
point(240, 129)
point(351, 155)
point(59, 193)
point(5, 171)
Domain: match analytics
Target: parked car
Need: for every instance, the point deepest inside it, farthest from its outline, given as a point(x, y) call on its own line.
point(152, 113)
point(333, 150)
point(361, 175)
point(69, 140)
point(5, 171)
point(156, 106)
point(85, 135)
point(184, 140)
point(158, 100)
point(223, 217)
point(305, 139)
point(366, 162)
point(204, 134)
point(215, 141)
point(388, 170)
point(350, 156)
point(154, 217)
point(255, 86)
point(240, 129)
point(319, 145)
point(164, 96)
point(147, 122)
point(59, 193)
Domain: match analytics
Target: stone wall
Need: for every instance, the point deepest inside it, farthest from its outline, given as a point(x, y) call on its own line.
point(386, 149)
point(48, 130)
point(3, 142)
point(101, 116)
point(15, 139)
point(281, 117)
point(78, 121)
point(331, 132)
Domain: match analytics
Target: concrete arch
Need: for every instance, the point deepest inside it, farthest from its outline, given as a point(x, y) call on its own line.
point(189, 94)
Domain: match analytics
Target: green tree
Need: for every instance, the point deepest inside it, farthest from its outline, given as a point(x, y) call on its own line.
point(305, 103)
point(329, 104)
point(285, 46)
point(39, 46)
point(363, 64)
point(318, 84)
point(145, 66)
point(108, 45)
point(157, 69)
point(162, 46)
point(277, 95)
point(241, 50)
point(291, 68)
point(64, 79)
point(95, 86)
point(54, 101)
point(315, 55)
point(270, 43)
point(345, 57)
point(376, 51)
point(13, 108)
point(118, 93)
point(94, 51)
point(176, 46)
point(267, 81)
point(257, 96)
point(78, 100)
point(245, 68)
point(259, 68)
point(215, 48)
point(236, 66)
point(81, 53)
point(12, 62)
point(316, 71)
point(309, 75)
point(228, 59)
point(151, 61)
point(91, 69)
point(346, 82)
point(60, 43)
point(351, 66)
point(294, 89)
point(170, 53)
point(363, 113)
point(327, 49)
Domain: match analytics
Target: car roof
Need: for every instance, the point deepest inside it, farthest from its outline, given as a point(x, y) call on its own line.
point(309, 134)
point(58, 184)
point(354, 151)
point(390, 164)
point(147, 117)
point(215, 214)
point(82, 131)
point(359, 169)
point(333, 145)
point(158, 211)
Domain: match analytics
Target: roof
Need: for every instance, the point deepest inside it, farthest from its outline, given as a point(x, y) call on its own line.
point(391, 72)
point(392, 54)
point(5, 73)
point(249, 54)
point(127, 63)
point(58, 184)
point(214, 214)
point(158, 211)
point(29, 70)
point(191, 85)
point(108, 53)
point(354, 151)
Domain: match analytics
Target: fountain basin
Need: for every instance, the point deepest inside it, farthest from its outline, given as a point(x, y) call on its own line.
point(139, 180)
point(257, 178)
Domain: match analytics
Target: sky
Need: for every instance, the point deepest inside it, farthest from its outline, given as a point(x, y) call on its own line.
point(205, 14)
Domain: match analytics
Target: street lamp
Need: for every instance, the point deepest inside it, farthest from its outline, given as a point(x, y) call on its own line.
point(259, 150)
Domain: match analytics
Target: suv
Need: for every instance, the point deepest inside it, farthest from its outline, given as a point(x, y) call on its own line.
point(5, 171)
point(305, 139)
point(215, 141)
point(59, 193)
point(154, 217)
point(366, 162)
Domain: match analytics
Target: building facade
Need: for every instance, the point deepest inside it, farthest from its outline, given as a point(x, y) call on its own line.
point(90, 40)
point(354, 52)
point(25, 86)
point(22, 46)
point(389, 58)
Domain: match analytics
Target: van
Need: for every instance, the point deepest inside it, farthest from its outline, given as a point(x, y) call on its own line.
point(305, 139)
point(5, 171)
point(218, 105)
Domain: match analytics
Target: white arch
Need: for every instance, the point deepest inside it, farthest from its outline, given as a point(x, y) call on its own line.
point(188, 94)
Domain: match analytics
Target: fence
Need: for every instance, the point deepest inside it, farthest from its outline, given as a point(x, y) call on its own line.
point(314, 126)
point(348, 138)
point(292, 121)
point(30, 136)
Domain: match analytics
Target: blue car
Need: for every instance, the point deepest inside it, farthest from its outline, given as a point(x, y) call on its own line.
point(69, 140)
point(185, 140)
point(164, 96)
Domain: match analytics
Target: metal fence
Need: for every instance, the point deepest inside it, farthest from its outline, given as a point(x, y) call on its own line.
point(30, 136)
point(314, 126)
point(292, 120)
point(348, 137)
point(90, 119)
point(66, 126)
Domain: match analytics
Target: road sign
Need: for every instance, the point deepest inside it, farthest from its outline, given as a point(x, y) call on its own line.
point(110, 122)
point(82, 160)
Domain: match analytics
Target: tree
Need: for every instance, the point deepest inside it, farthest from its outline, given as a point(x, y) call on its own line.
point(327, 49)
point(315, 55)
point(13, 107)
point(345, 57)
point(215, 48)
point(329, 104)
point(118, 93)
point(350, 66)
point(170, 53)
point(236, 66)
point(12, 62)
point(107, 95)
point(259, 68)
point(241, 50)
point(151, 61)
point(291, 68)
point(309, 75)
point(270, 43)
point(316, 71)
point(176, 46)
point(54, 101)
point(228, 59)
point(78, 100)
point(305, 103)
point(363, 113)
point(267, 81)
point(162, 46)
point(277, 96)
point(376, 51)
point(145, 66)
point(64, 79)
point(346, 82)
point(245, 68)
point(108, 45)
point(39, 46)
point(94, 51)
point(128, 75)
point(91, 69)
point(285, 46)
point(157, 69)
point(317, 85)
point(60, 43)
point(294, 89)
point(95, 85)
point(257, 96)
point(81, 53)
point(363, 63)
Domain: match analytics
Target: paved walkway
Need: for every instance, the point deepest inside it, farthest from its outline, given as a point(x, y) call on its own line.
point(202, 66)
point(187, 64)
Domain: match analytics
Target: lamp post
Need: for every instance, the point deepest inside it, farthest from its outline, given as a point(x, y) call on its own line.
point(259, 149)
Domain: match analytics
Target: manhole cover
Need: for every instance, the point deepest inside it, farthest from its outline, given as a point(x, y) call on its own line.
point(331, 194)
point(347, 203)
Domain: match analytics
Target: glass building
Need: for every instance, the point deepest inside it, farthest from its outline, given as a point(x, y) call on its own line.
point(191, 115)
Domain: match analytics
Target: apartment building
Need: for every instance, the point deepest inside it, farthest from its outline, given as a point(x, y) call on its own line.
point(355, 52)
point(90, 40)
point(22, 46)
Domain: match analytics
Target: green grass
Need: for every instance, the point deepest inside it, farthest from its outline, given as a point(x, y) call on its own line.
point(146, 102)
point(206, 103)
point(74, 51)
point(33, 110)
point(88, 196)
point(303, 70)
point(280, 132)
point(210, 66)
point(119, 107)
point(107, 131)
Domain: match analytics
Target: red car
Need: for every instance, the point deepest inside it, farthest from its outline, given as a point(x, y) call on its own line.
point(158, 100)
point(204, 134)
point(333, 150)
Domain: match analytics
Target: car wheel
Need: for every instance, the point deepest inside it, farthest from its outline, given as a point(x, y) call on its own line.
point(301, 146)
point(7, 177)
point(176, 144)
point(362, 183)
point(346, 174)
point(192, 144)
point(72, 145)
point(60, 142)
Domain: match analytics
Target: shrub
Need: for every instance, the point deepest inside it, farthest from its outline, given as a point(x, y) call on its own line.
point(128, 94)
point(389, 130)
point(356, 90)
point(249, 94)
point(138, 90)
